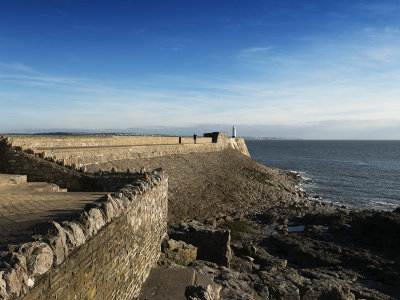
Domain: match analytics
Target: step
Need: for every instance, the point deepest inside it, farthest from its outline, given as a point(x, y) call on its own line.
point(30, 188)
point(12, 179)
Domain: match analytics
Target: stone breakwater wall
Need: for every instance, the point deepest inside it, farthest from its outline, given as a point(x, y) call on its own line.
point(78, 152)
point(37, 141)
point(106, 253)
point(15, 161)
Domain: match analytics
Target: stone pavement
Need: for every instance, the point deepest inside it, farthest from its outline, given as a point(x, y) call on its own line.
point(23, 204)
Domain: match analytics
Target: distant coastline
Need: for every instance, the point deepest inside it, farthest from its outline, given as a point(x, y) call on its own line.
point(255, 138)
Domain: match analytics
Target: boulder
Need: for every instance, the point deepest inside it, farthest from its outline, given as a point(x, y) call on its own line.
point(178, 251)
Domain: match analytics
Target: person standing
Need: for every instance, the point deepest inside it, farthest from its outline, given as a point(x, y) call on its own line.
point(194, 138)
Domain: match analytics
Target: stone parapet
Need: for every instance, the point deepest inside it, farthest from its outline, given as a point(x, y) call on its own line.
point(105, 253)
point(15, 161)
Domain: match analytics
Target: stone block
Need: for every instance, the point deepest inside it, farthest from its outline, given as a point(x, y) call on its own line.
point(178, 251)
point(212, 244)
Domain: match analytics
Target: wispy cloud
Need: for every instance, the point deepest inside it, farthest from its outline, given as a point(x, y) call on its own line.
point(17, 66)
point(254, 50)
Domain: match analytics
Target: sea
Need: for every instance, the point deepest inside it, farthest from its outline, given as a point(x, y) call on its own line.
point(357, 174)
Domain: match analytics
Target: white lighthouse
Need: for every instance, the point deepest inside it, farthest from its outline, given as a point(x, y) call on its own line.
point(234, 131)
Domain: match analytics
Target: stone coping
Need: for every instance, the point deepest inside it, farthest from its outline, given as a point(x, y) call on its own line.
point(22, 264)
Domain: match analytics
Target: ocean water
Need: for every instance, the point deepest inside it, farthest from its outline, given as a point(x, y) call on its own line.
point(358, 174)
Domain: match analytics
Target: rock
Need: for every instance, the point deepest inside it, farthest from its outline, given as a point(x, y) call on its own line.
point(241, 265)
point(39, 257)
point(111, 208)
point(74, 234)
point(13, 283)
point(201, 292)
point(308, 252)
point(268, 218)
point(235, 285)
point(92, 221)
point(3, 286)
point(178, 251)
point(263, 258)
point(326, 291)
point(212, 244)
point(54, 235)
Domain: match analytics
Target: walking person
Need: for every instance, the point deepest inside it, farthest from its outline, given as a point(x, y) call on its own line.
point(194, 138)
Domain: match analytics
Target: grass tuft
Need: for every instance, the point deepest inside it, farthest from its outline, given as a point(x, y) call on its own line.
point(237, 228)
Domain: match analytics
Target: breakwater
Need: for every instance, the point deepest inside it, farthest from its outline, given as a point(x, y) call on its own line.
point(78, 152)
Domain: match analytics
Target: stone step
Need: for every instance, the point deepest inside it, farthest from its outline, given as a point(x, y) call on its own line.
point(12, 179)
point(30, 188)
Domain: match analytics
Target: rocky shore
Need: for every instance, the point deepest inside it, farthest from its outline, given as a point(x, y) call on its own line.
point(281, 244)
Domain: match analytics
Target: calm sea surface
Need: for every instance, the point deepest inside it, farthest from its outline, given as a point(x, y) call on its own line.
point(361, 174)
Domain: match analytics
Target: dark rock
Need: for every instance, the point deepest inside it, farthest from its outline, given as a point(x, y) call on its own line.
point(212, 244)
point(201, 292)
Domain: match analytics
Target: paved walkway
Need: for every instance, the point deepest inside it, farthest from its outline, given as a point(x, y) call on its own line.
point(25, 204)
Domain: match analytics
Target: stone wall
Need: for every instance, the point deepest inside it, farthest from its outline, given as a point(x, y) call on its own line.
point(77, 152)
point(15, 161)
point(41, 142)
point(106, 253)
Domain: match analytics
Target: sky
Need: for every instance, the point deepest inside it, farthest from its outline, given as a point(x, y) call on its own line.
point(288, 68)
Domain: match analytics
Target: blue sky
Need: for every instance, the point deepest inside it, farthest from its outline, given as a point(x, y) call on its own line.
point(311, 69)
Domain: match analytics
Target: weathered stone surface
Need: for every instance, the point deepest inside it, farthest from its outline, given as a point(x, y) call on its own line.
point(39, 257)
point(110, 209)
point(235, 285)
point(178, 251)
point(3, 286)
point(327, 291)
point(93, 221)
point(54, 234)
point(201, 292)
point(75, 235)
point(212, 244)
point(13, 282)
